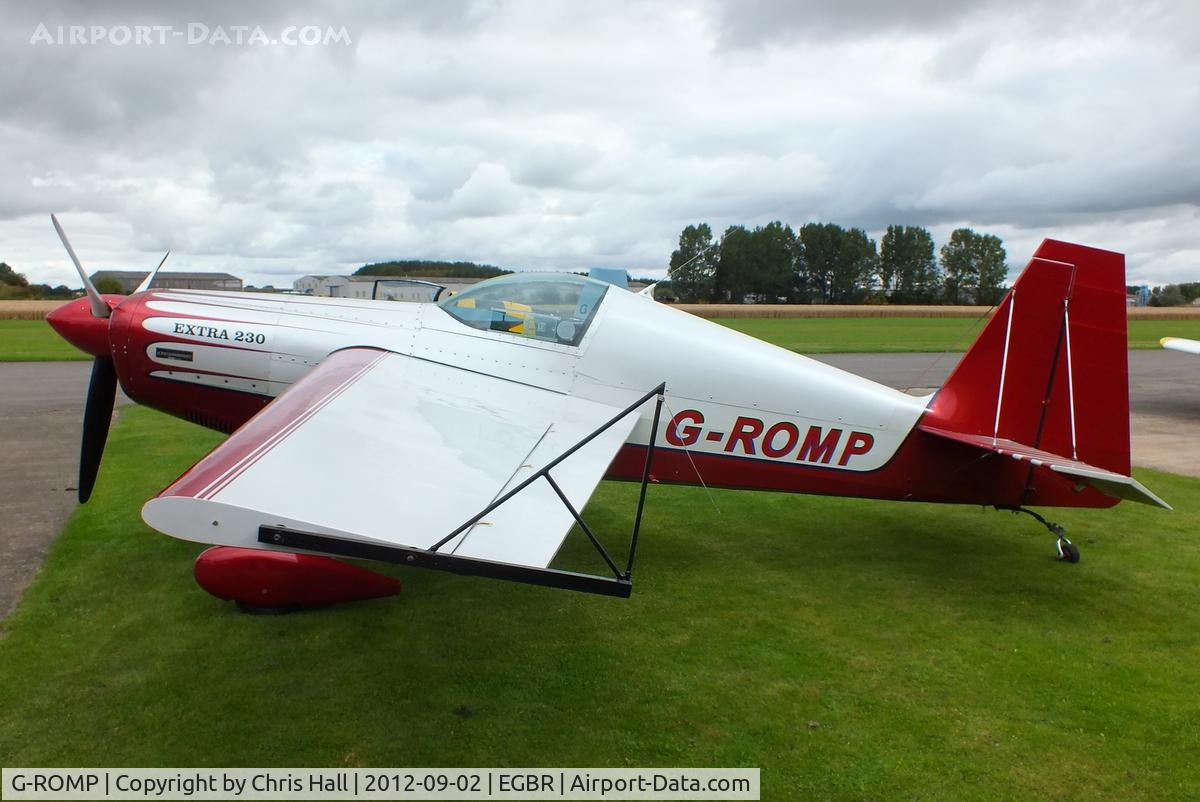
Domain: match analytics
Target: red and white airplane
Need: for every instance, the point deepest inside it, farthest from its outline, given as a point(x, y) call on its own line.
point(466, 435)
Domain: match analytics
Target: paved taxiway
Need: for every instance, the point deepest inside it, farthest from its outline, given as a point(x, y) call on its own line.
point(41, 413)
point(1164, 398)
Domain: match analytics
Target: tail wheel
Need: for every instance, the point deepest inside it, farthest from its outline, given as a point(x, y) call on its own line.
point(1067, 551)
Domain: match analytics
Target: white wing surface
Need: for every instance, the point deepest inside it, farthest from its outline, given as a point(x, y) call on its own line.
point(1180, 344)
point(387, 449)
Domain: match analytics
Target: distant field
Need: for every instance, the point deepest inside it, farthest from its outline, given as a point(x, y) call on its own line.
point(36, 310)
point(27, 310)
point(32, 340)
point(896, 335)
point(851, 649)
point(833, 335)
point(875, 311)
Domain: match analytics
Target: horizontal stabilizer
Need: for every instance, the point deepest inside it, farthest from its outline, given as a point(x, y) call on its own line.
point(1107, 482)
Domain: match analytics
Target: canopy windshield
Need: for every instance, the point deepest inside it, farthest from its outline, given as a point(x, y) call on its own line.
point(552, 307)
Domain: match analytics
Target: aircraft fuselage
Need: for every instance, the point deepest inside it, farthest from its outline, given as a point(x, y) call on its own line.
point(739, 412)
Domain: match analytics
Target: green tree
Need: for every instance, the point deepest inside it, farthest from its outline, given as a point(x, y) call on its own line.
point(430, 269)
point(817, 260)
point(694, 264)
point(835, 265)
point(1170, 295)
point(109, 286)
point(908, 269)
point(856, 265)
point(892, 258)
point(759, 264)
point(993, 270)
point(975, 267)
point(1190, 290)
point(958, 265)
point(11, 277)
point(773, 267)
point(735, 257)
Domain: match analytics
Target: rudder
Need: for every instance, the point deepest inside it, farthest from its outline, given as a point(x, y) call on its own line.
point(1050, 369)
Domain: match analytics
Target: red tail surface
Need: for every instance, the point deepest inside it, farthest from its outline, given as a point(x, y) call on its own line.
point(1050, 369)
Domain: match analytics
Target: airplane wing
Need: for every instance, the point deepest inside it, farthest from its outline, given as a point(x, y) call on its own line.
point(1180, 344)
point(1107, 482)
point(380, 448)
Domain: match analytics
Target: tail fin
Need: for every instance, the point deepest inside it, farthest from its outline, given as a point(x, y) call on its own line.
point(1050, 369)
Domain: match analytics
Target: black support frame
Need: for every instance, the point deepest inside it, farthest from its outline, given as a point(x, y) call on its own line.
point(619, 584)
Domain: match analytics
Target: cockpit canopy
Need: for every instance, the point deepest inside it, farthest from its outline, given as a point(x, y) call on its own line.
point(552, 307)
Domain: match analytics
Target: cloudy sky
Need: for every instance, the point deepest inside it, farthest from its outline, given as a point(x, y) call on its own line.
point(542, 135)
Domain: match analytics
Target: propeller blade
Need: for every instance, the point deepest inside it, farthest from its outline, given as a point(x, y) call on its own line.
point(102, 393)
point(148, 280)
point(99, 308)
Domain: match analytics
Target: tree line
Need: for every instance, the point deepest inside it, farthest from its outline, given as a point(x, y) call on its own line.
point(14, 286)
point(824, 263)
point(427, 268)
point(1174, 294)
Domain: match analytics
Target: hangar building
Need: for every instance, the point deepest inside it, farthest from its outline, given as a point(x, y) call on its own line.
point(130, 279)
point(396, 288)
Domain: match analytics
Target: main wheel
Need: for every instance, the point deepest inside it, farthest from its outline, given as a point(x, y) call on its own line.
point(1070, 552)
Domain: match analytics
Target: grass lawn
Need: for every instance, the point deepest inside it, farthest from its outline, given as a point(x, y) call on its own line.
point(851, 649)
point(34, 341)
point(877, 335)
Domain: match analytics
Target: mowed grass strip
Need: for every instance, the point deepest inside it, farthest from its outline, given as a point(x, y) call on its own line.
point(851, 649)
point(897, 335)
point(34, 341)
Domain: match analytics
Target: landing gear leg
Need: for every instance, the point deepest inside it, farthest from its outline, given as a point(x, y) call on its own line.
point(1068, 552)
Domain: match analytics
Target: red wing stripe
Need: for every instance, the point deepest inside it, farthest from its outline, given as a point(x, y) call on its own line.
point(302, 416)
point(284, 433)
point(254, 456)
point(278, 419)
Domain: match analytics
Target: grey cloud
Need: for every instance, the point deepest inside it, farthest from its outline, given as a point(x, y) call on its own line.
point(555, 164)
point(748, 24)
point(433, 173)
point(546, 136)
point(752, 23)
point(489, 192)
